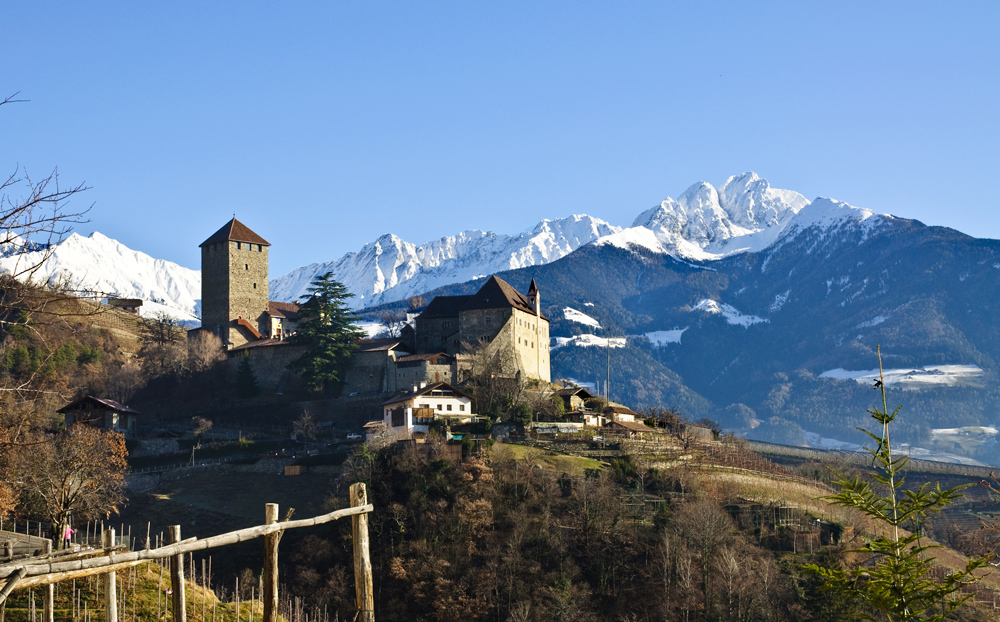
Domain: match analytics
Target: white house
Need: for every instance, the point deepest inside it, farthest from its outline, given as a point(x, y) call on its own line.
point(409, 414)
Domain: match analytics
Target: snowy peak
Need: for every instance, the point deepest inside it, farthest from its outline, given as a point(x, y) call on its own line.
point(100, 264)
point(745, 214)
point(392, 269)
point(753, 204)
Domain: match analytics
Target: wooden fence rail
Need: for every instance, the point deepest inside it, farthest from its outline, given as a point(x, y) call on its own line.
point(47, 570)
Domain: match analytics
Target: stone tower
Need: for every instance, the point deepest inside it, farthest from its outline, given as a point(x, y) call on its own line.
point(234, 284)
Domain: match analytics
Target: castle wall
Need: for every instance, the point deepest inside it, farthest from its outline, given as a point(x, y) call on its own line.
point(234, 285)
point(248, 286)
point(438, 334)
point(525, 335)
point(215, 289)
point(406, 377)
point(477, 325)
point(270, 365)
point(369, 373)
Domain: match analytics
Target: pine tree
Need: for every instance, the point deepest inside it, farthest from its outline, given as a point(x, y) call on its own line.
point(246, 380)
point(327, 329)
point(898, 583)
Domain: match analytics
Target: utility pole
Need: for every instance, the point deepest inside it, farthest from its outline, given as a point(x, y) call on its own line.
point(607, 384)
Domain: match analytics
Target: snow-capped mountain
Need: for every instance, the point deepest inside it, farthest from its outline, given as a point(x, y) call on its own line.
point(745, 214)
point(391, 268)
point(100, 264)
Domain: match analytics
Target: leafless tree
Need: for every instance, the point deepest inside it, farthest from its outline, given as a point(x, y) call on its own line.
point(34, 217)
point(416, 304)
point(392, 323)
point(495, 380)
point(304, 428)
point(81, 472)
point(124, 384)
point(204, 351)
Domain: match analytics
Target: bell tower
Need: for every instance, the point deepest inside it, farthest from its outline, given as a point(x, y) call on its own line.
point(234, 287)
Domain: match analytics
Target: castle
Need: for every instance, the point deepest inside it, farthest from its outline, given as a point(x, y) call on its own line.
point(234, 290)
point(439, 346)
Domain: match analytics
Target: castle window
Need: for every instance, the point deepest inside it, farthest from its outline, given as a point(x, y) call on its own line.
point(246, 266)
point(255, 286)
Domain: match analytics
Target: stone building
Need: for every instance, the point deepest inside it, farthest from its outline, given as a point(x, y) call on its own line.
point(234, 289)
point(497, 318)
point(497, 321)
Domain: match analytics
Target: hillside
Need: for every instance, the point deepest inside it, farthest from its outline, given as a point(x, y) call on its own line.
point(768, 342)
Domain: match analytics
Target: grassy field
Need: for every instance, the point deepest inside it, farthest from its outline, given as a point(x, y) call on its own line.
point(550, 460)
point(142, 593)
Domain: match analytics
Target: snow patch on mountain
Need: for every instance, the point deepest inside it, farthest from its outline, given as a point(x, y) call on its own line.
point(779, 301)
point(732, 315)
point(588, 340)
point(663, 337)
point(391, 269)
point(100, 264)
point(875, 321)
point(573, 315)
point(913, 378)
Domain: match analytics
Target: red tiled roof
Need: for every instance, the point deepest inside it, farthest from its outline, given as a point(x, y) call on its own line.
point(250, 327)
point(236, 231)
point(261, 343)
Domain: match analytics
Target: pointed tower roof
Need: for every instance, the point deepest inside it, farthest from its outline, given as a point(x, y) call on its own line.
point(532, 287)
point(235, 231)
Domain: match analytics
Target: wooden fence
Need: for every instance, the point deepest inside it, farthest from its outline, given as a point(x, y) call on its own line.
point(51, 568)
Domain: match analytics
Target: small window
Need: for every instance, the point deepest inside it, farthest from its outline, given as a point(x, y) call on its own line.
point(461, 407)
point(258, 248)
point(238, 246)
point(449, 406)
point(439, 406)
point(246, 266)
point(255, 286)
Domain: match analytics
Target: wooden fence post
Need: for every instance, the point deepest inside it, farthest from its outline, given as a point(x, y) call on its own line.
point(110, 583)
point(269, 589)
point(177, 576)
point(362, 561)
point(48, 607)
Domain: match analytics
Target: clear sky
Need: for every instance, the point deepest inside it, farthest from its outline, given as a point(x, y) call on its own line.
point(324, 125)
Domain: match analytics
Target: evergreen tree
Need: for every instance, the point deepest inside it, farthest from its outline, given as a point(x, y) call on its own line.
point(897, 584)
point(246, 381)
point(327, 329)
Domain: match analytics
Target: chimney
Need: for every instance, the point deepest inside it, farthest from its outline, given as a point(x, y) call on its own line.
point(414, 389)
point(423, 384)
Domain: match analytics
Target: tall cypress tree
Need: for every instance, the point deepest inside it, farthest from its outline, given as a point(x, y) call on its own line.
point(327, 329)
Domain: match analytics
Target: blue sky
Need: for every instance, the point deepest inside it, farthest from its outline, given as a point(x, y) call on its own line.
point(325, 125)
